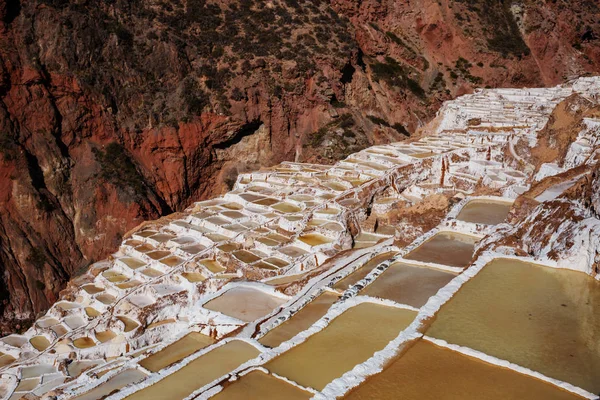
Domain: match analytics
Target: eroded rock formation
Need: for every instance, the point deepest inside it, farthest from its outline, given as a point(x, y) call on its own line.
point(117, 112)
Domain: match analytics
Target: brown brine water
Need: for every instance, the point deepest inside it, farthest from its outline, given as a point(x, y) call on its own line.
point(427, 371)
point(487, 212)
point(246, 304)
point(176, 351)
point(348, 340)
point(541, 318)
point(408, 284)
point(258, 385)
point(446, 248)
point(199, 372)
point(300, 321)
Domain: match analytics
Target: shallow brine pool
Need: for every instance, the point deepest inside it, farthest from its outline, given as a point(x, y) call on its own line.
point(487, 212)
point(348, 340)
point(427, 371)
point(446, 248)
point(542, 318)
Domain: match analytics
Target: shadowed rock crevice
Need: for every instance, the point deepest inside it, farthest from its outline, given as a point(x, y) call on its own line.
point(247, 129)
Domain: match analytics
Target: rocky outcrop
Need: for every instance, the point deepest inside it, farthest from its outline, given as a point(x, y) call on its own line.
point(417, 54)
point(564, 125)
point(115, 112)
point(565, 230)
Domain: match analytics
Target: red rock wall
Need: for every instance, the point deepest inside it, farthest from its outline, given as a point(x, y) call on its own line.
point(112, 113)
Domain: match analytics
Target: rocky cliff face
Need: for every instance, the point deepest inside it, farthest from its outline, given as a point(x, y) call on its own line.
point(420, 53)
point(115, 112)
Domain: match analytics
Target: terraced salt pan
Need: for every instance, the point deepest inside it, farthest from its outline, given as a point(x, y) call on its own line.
point(84, 342)
point(482, 211)
point(407, 284)
point(76, 368)
point(541, 318)
point(427, 371)
point(176, 351)
point(363, 271)
point(445, 248)
point(105, 336)
point(245, 303)
point(212, 265)
point(199, 372)
point(284, 279)
point(193, 277)
point(40, 343)
point(6, 359)
point(259, 385)
point(324, 356)
point(113, 384)
point(279, 187)
point(314, 239)
point(300, 321)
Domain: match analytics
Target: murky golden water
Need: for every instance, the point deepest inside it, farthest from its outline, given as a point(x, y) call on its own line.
point(300, 321)
point(348, 340)
point(314, 239)
point(132, 263)
point(258, 385)
point(408, 284)
point(446, 248)
point(84, 343)
point(6, 359)
point(427, 371)
point(114, 384)
point(245, 256)
point(105, 336)
point(129, 323)
point(212, 265)
point(40, 343)
point(176, 351)
point(194, 276)
point(363, 271)
point(542, 318)
point(484, 212)
point(199, 372)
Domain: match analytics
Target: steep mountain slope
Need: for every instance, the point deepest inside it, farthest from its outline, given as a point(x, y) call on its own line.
point(419, 53)
point(117, 112)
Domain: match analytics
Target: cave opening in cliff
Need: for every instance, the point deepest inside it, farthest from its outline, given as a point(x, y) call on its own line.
point(348, 73)
point(248, 129)
point(13, 9)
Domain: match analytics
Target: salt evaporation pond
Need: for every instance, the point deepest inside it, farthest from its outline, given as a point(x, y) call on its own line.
point(258, 385)
point(348, 340)
point(129, 323)
point(363, 271)
point(446, 248)
point(482, 211)
point(6, 359)
point(542, 318)
point(199, 372)
point(114, 384)
point(408, 284)
point(176, 351)
point(246, 304)
point(314, 239)
point(427, 371)
point(40, 343)
point(300, 321)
